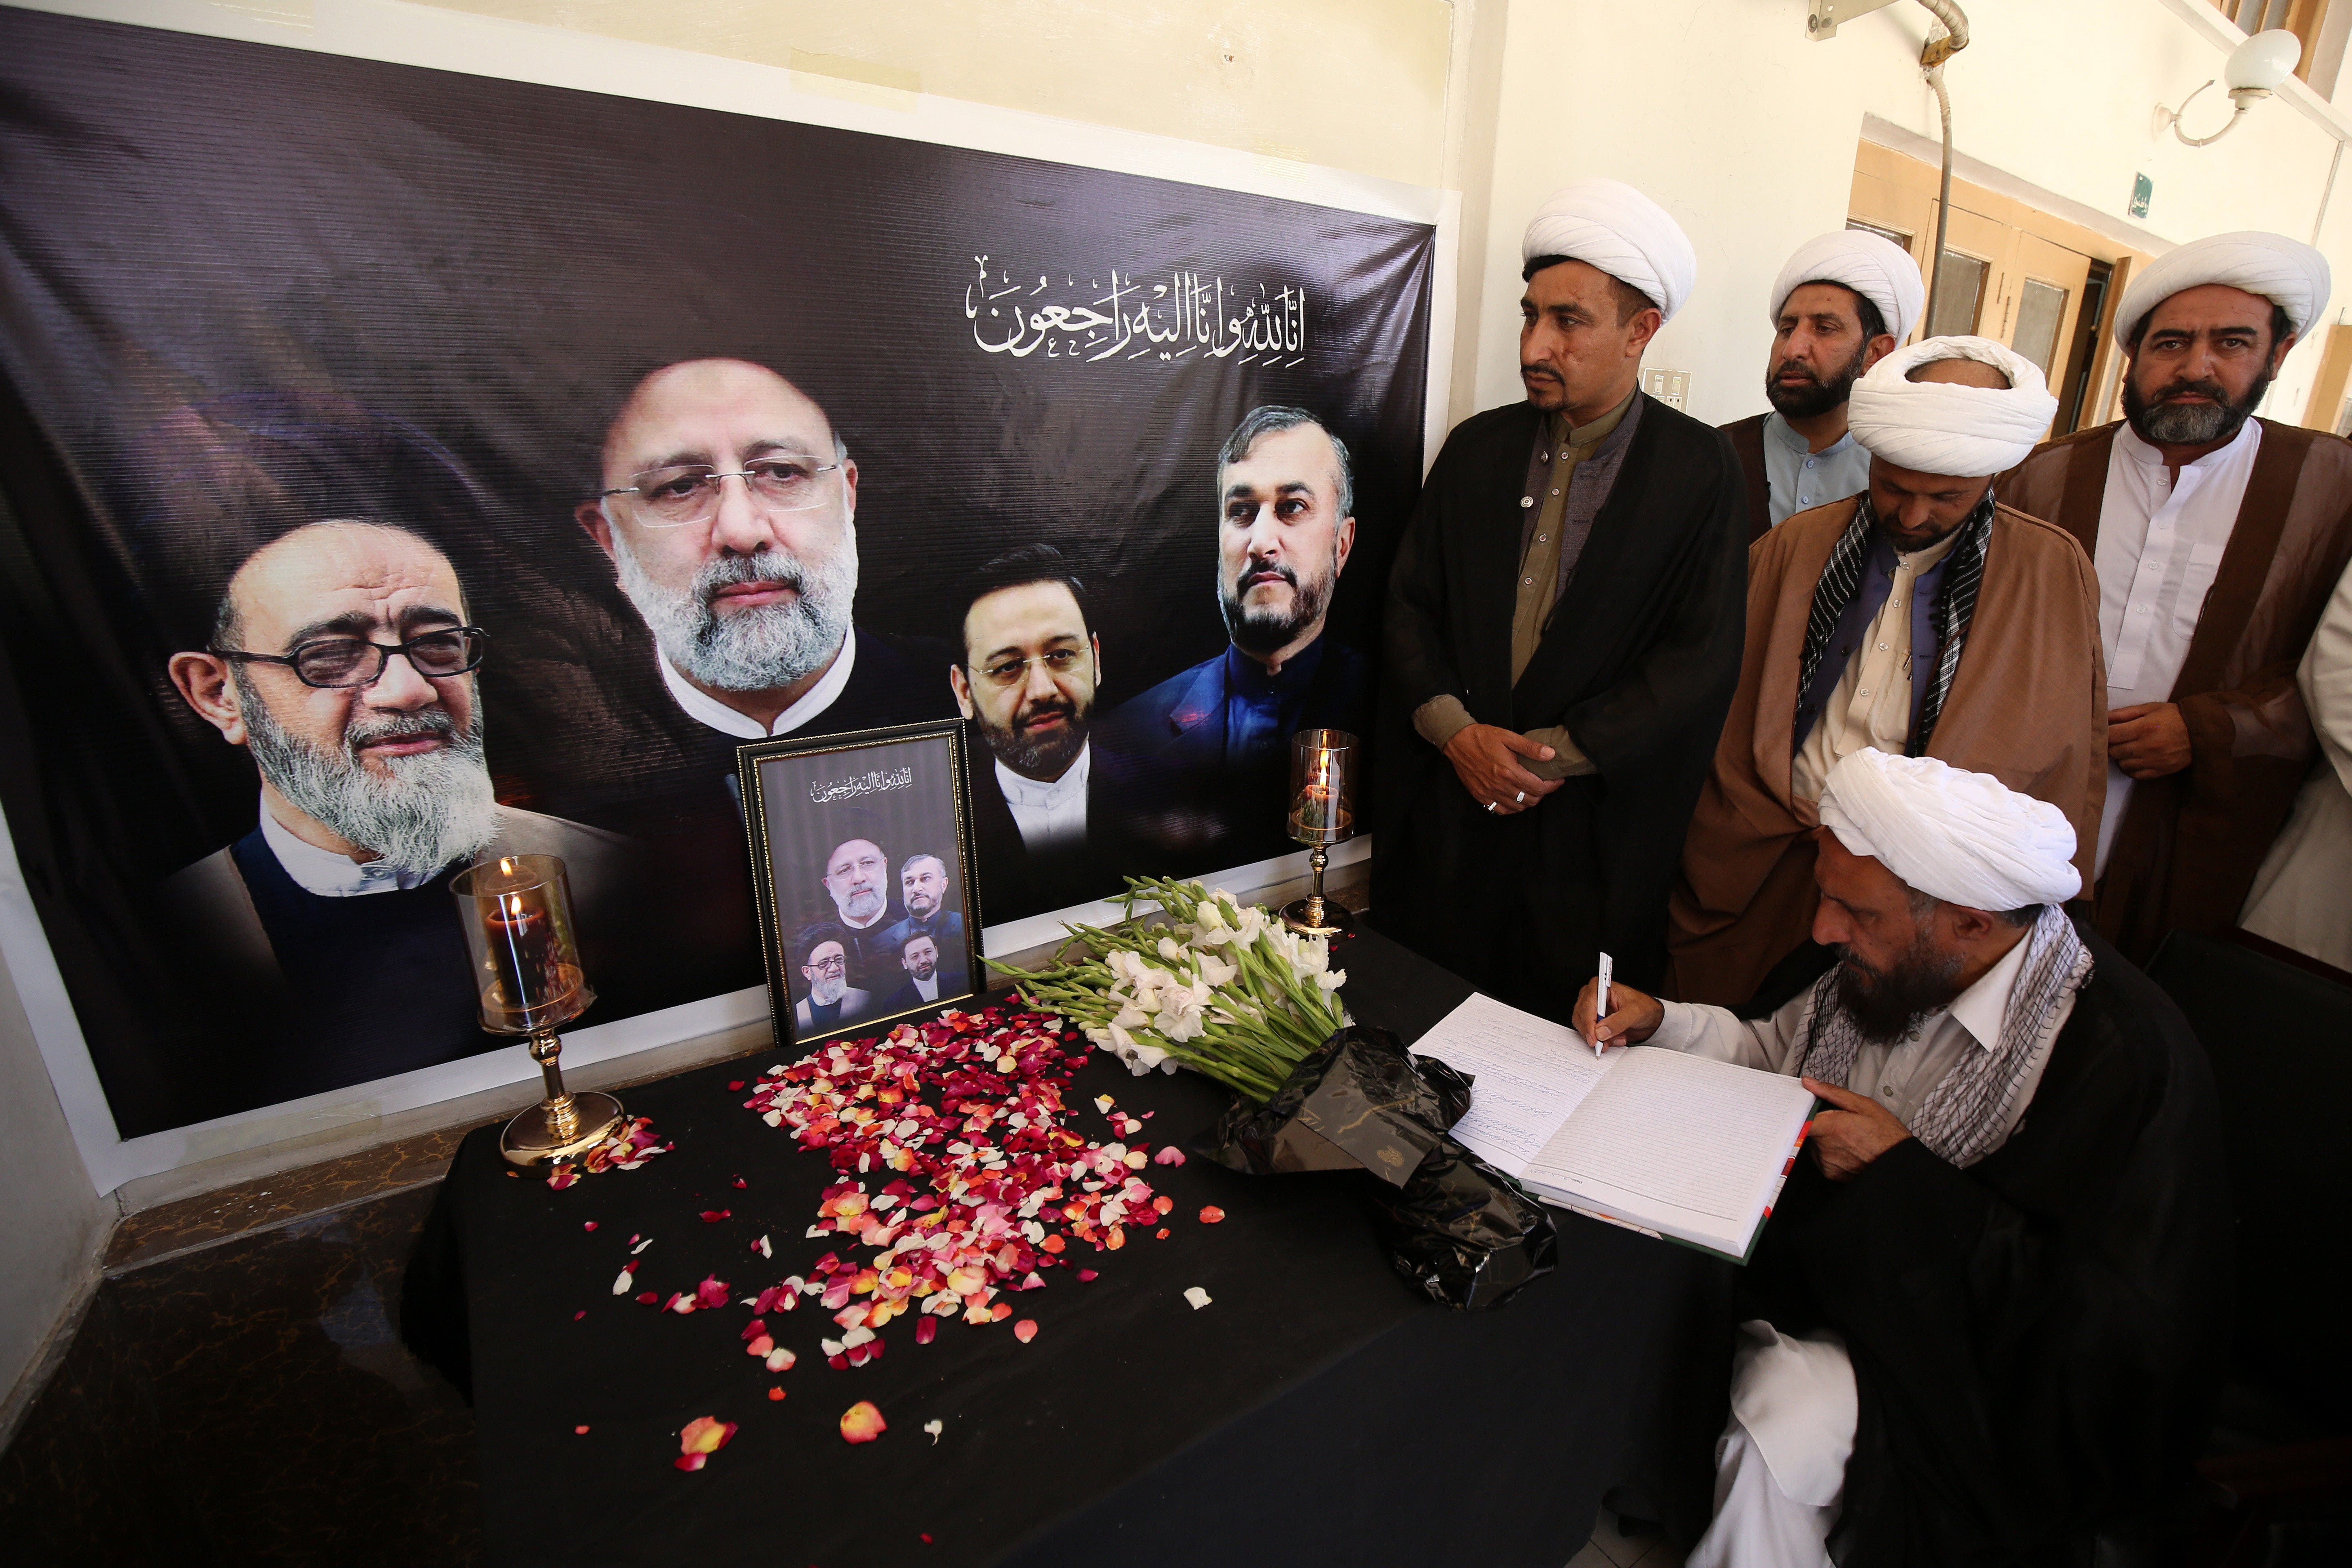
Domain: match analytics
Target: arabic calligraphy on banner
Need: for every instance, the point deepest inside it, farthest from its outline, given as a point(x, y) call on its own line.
point(1191, 313)
point(829, 790)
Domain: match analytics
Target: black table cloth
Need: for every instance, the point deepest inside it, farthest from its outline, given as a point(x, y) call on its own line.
point(1320, 1410)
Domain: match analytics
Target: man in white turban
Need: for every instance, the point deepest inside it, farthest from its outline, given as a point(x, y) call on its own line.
point(1562, 631)
point(1984, 1321)
point(2218, 537)
point(1921, 616)
point(1841, 304)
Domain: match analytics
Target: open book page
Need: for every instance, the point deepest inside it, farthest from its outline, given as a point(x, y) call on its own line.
point(1529, 1074)
point(1692, 1147)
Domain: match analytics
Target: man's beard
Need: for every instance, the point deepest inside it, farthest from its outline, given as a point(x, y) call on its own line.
point(861, 906)
point(1265, 632)
point(1884, 1003)
point(1816, 396)
point(925, 971)
point(764, 649)
point(921, 908)
point(2191, 424)
point(828, 988)
point(436, 806)
point(1044, 755)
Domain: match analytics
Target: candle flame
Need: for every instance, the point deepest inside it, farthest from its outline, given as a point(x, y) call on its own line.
point(514, 904)
point(506, 864)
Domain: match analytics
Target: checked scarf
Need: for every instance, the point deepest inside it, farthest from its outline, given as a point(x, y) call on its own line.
point(1963, 1115)
point(1955, 604)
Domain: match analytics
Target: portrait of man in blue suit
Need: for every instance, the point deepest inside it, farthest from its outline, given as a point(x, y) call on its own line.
point(1214, 740)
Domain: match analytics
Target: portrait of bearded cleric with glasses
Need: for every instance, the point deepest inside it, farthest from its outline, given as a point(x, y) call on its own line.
point(728, 504)
point(343, 660)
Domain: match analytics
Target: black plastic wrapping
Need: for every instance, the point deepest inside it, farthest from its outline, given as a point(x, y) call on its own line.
point(1461, 1230)
point(1465, 1232)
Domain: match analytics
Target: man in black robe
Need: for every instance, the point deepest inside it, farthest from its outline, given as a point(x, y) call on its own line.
point(1563, 633)
point(1985, 1320)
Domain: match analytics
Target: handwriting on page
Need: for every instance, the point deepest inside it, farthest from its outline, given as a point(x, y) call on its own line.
point(1530, 1073)
point(1183, 315)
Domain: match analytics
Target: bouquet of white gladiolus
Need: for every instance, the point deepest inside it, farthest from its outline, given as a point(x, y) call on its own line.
point(1224, 988)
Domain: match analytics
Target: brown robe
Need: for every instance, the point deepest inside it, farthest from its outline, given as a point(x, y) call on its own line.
point(2190, 844)
point(1747, 440)
point(2028, 705)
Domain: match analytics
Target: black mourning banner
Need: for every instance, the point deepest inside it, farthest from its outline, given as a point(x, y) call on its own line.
point(300, 353)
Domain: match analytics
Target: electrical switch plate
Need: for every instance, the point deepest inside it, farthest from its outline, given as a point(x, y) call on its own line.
point(1671, 387)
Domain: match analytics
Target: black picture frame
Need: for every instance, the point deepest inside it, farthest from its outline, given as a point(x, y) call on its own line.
point(803, 800)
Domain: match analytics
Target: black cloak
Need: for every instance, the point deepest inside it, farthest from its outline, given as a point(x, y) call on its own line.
point(2037, 1340)
point(1639, 661)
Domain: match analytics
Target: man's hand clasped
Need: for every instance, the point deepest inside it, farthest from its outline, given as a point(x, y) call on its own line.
point(2147, 739)
point(1486, 759)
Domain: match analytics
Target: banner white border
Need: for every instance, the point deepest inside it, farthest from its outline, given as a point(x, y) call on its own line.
point(470, 44)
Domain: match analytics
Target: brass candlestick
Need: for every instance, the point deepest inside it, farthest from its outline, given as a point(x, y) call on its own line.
point(516, 915)
point(1323, 768)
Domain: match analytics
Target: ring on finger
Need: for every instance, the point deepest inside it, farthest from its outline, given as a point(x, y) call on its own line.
point(1520, 798)
point(1490, 806)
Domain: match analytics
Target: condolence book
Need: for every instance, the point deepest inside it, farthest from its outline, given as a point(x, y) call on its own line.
point(1676, 1146)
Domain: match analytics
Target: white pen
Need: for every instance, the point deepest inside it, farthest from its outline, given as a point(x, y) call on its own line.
point(1602, 1010)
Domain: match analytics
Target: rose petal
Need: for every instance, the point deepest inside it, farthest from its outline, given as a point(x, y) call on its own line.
point(776, 1393)
point(591, 1225)
point(781, 1359)
point(1211, 1215)
point(1087, 1274)
point(927, 1329)
point(578, 1315)
point(579, 1431)
point(1169, 1155)
point(1025, 1330)
point(705, 1434)
point(1164, 1203)
point(862, 1422)
point(934, 1428)
point(1198, 1296)
point(1162, 1234)
point(712, 1216)
point(690, 1462)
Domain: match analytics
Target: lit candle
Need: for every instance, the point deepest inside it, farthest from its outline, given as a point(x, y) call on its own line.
point(519, 930)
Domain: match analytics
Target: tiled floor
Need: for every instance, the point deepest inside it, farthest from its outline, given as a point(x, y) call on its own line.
point(1612, 1546)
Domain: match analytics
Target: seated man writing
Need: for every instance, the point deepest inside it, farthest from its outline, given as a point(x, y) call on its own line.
point(1984, 1319)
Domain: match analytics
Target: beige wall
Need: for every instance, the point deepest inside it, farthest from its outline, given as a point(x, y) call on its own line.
point(1352, 84)
point(1725, 113)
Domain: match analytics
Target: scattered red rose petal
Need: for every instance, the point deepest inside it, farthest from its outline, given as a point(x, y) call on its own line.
point(580, 1314)
point(861, 1423)
point(1211, 1215)
point(1164, 1203)
point(734, 1084)
point(702, 1436)
point(711, 1293)
point(591, 1225)
point(1084, 1274)
point(927, 1329)
point(647, 1298)
point(1162, 1234)
point(1169, 1155)
point(926, 1538)
point(712, 1216)
point(1025, 1330)
point(579, 1431)
point(776, 1393)
point(741, 1183)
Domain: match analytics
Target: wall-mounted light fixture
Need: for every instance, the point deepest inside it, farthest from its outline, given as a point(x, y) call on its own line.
point(2254, 71)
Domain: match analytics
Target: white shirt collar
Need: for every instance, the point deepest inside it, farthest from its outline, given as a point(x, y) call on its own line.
point(928, 990)
point(705, 708)
point(1029, 794)
point(2141, 451)
point(331, 875)
point(1981, 1007)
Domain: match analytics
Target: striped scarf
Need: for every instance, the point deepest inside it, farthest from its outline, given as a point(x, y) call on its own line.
point(1963, 1116)
point(1956, 603)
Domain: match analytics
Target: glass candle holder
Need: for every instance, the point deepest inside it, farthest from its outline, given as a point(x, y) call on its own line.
point(1322, 811)
point(515, 911)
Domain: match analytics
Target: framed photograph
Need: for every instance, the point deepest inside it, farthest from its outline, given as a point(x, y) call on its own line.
point(861, 856)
